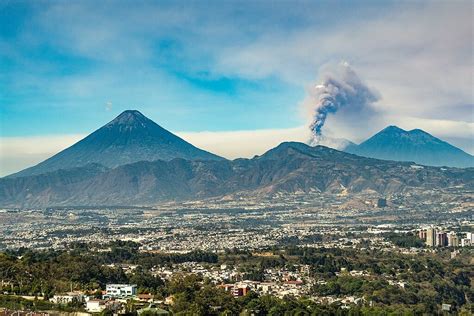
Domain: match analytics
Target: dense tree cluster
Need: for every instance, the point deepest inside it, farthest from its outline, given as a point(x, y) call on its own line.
point(390, 281)
point(45, 273)
point(407, 240)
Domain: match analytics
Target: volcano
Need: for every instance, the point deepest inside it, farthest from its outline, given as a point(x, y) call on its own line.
point(394, 143)
point(129, 138)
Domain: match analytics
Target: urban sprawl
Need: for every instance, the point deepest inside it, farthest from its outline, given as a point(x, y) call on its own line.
point(226, 239)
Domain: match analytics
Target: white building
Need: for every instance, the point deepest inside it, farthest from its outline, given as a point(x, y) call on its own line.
point(95, 306)
point(470, 236)
point(453, 240)
point(120, 290)
point(465, 242)
point(266, 287)
point(71, 297)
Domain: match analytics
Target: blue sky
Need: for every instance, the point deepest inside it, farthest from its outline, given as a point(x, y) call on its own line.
point(228, 66)
point(63, 69)
point(63, 61)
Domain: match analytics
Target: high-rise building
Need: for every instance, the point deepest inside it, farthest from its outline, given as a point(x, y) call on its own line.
point(441, 239)
point(465, 242)
point(470, 236)
point(453, 240)
point(431, 237)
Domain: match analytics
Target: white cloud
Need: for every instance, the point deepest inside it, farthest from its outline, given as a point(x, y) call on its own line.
point(36, 145)
point(244, 144)
point(17, 153)
point(419, 57)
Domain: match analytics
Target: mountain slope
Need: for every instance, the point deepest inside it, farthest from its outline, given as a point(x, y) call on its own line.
point(393, 143)
point(129, 138)
point(290, 167)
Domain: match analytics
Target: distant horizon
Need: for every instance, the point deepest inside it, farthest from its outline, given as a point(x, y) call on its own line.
point(219, 143)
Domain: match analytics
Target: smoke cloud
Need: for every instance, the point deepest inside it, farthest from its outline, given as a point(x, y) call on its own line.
point(340, 87)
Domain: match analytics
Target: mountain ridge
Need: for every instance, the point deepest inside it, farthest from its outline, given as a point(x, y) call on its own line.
point(290, 167)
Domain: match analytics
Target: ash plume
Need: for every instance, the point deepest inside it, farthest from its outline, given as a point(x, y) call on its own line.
point(339, 88)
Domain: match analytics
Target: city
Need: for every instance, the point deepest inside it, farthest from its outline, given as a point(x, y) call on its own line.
point(200, 241)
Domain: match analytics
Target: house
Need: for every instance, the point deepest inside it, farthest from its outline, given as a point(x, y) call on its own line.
point(120, 290)
point(169, 300)
point(145, 297)
point(240, 290)
point(266, 287)
point(446, 307)
point(294, 283)
point(71, 297)
point(95, 306)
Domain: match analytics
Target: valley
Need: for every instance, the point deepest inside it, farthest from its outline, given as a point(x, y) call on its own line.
point(242, 222)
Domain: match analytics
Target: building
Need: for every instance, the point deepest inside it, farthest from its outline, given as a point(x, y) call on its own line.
point(266, 287)
point(169, 300)
point(72, 297)
point(120, 290)
point(441, 239)
point(95, 306)
point(240, 290)
point(422, 234)
point(470, 236)
point(453, 240)
point(465, 242)
point(294, 283)
point(431, 237)
point(446, 307)
point(145, 297)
